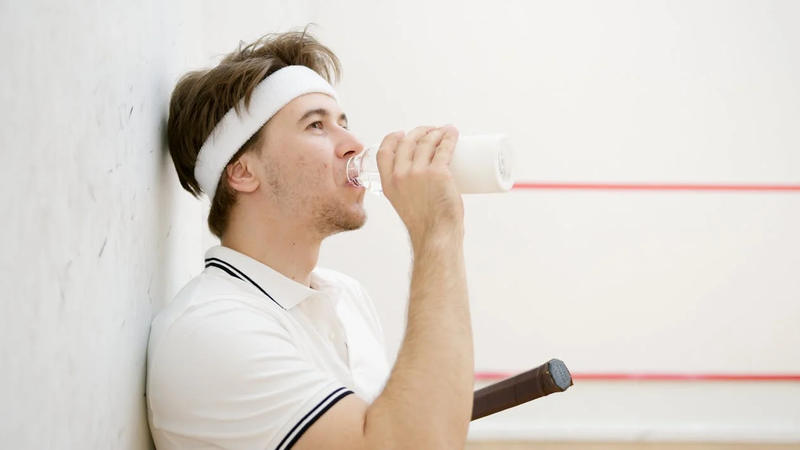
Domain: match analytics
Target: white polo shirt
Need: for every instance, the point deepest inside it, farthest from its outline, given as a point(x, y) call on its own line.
point(246, 358)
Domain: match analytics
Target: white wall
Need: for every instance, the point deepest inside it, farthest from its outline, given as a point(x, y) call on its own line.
point(97, 234)
point(612, 91)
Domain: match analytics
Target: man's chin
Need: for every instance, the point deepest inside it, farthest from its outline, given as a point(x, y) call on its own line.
point(356, 223)
point(350, 221)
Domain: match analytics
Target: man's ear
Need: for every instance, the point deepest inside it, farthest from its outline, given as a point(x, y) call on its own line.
point(242, 174)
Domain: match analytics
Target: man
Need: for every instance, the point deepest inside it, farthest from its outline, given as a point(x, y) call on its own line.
point(264, 350)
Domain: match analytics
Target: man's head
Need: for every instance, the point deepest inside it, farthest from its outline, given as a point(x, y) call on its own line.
point(292, 164)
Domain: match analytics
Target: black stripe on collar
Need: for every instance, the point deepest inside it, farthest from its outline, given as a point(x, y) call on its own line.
point(230, 269)
point(221, 267)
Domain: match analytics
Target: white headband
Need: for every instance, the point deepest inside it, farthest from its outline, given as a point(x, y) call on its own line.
point(231, 133)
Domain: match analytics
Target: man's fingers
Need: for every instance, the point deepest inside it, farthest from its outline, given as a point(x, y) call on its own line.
point(405, 149)
point(426, 147)
point(444, 152)
point(387, 153)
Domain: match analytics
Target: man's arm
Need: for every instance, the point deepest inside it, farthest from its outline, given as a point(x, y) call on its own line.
point(427, 401)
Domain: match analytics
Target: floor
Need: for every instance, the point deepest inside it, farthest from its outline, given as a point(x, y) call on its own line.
point(627, 446)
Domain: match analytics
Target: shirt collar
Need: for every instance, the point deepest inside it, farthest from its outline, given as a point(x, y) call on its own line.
point(284, 291)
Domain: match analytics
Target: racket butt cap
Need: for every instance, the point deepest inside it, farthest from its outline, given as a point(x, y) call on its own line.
point(560, 374)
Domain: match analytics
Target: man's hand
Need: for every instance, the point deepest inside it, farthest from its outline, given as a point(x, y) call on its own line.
point(416, 179)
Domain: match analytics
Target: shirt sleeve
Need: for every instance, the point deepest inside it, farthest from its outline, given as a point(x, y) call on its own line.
point(229, 375)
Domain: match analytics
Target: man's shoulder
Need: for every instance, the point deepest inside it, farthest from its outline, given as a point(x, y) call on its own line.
point(207, 288)
point(207, 297)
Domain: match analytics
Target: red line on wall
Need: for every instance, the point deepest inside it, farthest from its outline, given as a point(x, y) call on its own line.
point(496, 376)
point(659, 187)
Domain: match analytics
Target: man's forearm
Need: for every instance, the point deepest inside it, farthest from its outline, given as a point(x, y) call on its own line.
point(427, 401)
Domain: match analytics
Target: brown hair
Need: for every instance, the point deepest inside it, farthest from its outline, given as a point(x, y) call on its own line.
point(201, 98)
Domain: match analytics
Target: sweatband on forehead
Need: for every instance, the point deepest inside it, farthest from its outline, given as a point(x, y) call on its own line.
point(235, 129)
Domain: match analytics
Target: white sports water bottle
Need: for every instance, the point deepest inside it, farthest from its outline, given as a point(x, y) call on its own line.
point(481, 164)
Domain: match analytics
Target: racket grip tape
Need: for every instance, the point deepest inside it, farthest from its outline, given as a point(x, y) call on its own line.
point(551, 377)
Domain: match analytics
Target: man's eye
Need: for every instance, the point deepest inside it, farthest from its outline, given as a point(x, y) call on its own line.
point(317, 125)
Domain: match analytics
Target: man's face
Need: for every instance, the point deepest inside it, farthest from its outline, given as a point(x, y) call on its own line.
point(305, 153)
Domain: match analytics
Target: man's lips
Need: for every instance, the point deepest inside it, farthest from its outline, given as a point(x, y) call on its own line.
point(349, 183)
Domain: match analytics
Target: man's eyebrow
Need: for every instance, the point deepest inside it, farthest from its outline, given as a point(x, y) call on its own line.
point(321, 112)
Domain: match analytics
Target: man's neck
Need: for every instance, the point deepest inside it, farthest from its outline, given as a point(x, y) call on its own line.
point(284, 247)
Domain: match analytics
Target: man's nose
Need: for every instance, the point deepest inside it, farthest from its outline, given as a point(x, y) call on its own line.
point(350, 145)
